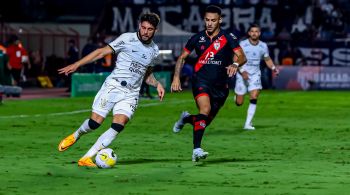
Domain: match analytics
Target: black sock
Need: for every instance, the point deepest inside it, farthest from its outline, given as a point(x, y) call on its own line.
point(200, 122)
point(189, 119)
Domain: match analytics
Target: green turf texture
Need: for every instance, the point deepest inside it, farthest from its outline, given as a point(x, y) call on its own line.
point(301, 146)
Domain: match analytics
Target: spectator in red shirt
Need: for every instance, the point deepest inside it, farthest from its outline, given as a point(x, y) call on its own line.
point(17, 55)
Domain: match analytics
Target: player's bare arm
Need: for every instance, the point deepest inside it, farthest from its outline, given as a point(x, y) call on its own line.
point(239, 59)
point(176, 84)
point(93, 56)
point(152, 81)
point(271, 65)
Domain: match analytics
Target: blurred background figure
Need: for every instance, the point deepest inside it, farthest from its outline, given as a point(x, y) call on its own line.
point(18, 56)
point(90, 46)
point(72, 56)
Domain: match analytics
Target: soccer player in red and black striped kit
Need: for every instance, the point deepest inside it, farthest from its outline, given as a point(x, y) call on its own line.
point(216, 50)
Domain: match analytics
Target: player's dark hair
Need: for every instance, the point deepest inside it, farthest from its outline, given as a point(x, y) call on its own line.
point(152, 18)
point(213, 9)
point(253, 26)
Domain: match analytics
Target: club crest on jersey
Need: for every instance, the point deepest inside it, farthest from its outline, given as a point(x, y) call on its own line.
point(202, 124)
point(217, 45)
point(201, 39)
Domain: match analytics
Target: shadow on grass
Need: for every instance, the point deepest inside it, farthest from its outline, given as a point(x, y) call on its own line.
point(207, 161)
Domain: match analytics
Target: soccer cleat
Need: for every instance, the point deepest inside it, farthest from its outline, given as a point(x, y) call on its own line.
point(180, 123)
point(66, 143)
point(248, 127)
point(86, 162)
point(199, 153)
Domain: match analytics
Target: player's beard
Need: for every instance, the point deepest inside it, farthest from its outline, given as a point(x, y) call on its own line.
point(254, 38)
point(212, 29)
point(145, 41)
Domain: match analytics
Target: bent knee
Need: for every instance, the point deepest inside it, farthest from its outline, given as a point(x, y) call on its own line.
point(93, 124)
point(239, 103)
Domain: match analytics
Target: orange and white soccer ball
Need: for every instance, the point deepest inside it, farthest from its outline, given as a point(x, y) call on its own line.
point(106, 158)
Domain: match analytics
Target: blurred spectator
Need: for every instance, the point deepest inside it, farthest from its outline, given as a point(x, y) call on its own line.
point(267, 34)
point(17, 56)
point(3, 49)
point(284, 35)
point(5, 75)
point(72, 56)
point(73, 52)
point(36, 60)
point(291, 56)
point(90, 46)
point(104, 64)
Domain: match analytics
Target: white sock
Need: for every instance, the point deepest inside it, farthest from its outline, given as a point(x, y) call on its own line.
point(250, 113)
point(102, 142)
point(83, 129)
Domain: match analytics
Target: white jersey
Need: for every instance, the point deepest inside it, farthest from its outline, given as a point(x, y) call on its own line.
point(120, 91)
point(133, 59)
point(254, 54)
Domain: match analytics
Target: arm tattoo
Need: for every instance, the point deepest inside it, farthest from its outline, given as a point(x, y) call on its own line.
point(179, 64)
point(151, 80)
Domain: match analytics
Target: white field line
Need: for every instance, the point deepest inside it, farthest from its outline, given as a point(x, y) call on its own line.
point(89, 110)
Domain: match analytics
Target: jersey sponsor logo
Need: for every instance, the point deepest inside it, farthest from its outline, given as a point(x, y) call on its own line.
point(137, 68)
point(208, 56)
point(134, 51)
point(144, 56)
point(201, 39)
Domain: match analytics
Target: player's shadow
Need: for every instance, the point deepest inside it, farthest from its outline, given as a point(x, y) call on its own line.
point(227, 160)
point(202, 162)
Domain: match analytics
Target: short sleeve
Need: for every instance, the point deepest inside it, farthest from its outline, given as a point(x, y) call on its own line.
point(118, 44)
point(233, 41)
point(155, 55)
point(190, 45)
point(266, 51)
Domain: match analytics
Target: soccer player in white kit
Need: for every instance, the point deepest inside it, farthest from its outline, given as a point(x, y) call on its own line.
point(120, 91)
point(249, 77)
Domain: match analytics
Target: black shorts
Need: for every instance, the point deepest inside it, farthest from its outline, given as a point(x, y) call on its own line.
point(16, 74)
point(217, 94)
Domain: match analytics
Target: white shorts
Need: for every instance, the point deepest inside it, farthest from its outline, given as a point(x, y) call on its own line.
point(244, 86)
point(114, 96)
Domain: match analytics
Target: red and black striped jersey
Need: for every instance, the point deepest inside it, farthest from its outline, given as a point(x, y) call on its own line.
point(213, 55)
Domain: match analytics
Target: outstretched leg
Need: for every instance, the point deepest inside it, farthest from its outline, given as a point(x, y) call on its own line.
point(119, 121)
point(88, 125)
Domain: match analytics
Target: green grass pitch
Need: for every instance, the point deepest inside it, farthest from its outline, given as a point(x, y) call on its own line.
point(301, 146)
